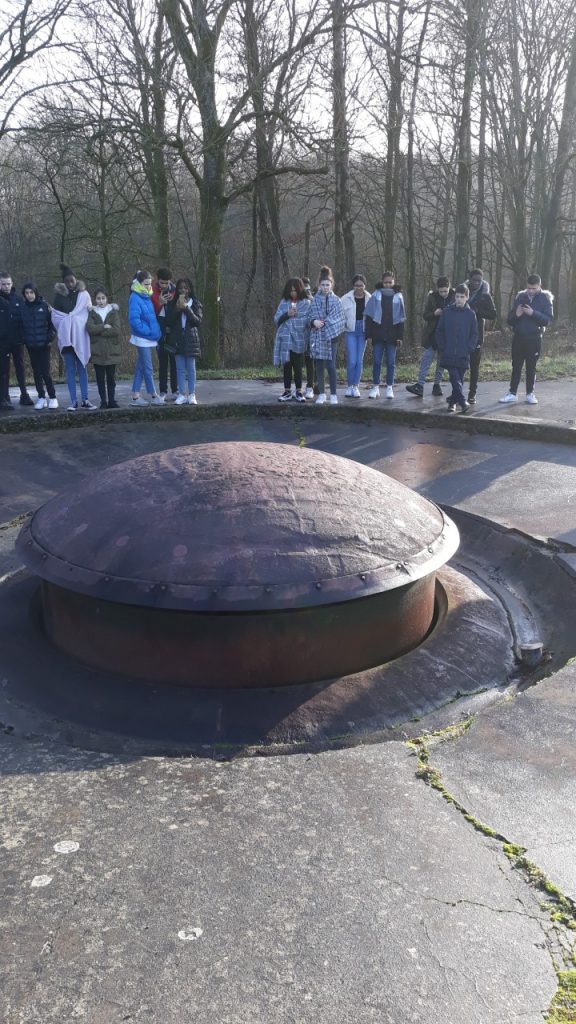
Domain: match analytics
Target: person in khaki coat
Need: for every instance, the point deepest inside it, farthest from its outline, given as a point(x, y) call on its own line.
point(103, 326)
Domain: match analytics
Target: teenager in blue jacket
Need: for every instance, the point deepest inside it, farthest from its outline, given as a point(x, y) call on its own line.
point(457, 338)
point(145, 336)
point(529, 317)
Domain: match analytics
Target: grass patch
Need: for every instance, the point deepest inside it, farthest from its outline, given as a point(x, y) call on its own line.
point(563, 1007)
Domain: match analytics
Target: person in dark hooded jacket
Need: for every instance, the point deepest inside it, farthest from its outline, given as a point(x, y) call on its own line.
point(11, 343)
point(38, 334)
point(481, 303)
point(457, 337)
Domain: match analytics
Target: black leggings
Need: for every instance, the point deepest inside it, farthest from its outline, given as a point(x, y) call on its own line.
point(166, 359)
point(524, 350)
point(105, 378)
point(475, 358)
point(294, 364)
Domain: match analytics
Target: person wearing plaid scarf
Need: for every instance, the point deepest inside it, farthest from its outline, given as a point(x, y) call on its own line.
point(291, 339)
point(327, 323)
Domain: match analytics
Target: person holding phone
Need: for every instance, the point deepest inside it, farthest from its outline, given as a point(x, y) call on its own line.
point(529, 317)
point(291, 340)
point(183, 318)
point(162, 293)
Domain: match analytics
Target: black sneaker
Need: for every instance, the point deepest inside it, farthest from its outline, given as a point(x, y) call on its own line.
point(415, 389)
point(437, 391)
point(25, 399)
point(103, 405)
point(464, 408)
point(113, 405)
point(286, 396)
point(471, 399)
point(451, 407)
point(299, 397)
point(5, 403)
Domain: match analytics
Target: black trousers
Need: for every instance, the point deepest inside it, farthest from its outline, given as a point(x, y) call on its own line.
point(17, 353)
point(40, 360)
point(4, 375)
point(164, 358)
point(524, 350)
point(294, 364)
point(105, 379)
point(475, 358)
point(309, 371)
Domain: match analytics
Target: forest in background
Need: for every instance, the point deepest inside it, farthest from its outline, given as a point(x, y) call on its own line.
point(246, 141)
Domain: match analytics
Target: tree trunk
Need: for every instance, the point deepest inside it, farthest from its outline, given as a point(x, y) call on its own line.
point(393, 132)
point(212, 212)
point(462, 246)
point(564, 152)
point(344, 258)
point(410, 239)
point(481, 174)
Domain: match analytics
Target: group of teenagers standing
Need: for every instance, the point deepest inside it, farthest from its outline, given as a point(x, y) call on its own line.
point(309, 327)
point(162, 315)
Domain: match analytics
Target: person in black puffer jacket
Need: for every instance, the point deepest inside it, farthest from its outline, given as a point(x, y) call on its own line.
point(11, 342)
point(38, 335)
point(183, 317)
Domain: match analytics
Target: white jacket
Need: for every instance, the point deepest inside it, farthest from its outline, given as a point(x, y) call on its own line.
point(349, 306)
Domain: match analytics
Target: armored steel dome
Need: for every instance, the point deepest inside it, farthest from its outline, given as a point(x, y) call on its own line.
point(236, 553)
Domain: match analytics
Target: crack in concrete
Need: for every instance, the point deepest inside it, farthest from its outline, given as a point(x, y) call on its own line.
point(560, 909)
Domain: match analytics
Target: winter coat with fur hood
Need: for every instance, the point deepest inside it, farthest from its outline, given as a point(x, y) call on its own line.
point(65, 300)
point(105, 338)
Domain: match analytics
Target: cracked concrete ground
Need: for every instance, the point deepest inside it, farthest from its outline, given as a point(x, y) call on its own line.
point(315, 889)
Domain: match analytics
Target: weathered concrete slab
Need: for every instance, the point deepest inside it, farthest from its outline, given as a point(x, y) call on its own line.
point(515, 770)
point(309, 889)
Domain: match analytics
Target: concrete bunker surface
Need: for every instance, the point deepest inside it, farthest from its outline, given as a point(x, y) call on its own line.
point(487, 609)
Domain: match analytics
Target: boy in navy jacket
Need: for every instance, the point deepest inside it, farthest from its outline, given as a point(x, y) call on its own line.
point(529, 317)
point(457, 337)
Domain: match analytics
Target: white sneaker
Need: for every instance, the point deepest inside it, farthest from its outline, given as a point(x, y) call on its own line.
point(41, 403)
point(72, 407)
point(309, 393)
point(181, 400)
point(52, 403)
point(286, 396)
point(509, 398)
point(333, 399)
point(157, 400)
point(140, 402)
point(356, 393)
point(374, 392)
point(389, 391)
point(530, 398)
point(192, 399)
point(349, 393)
point(320, 400)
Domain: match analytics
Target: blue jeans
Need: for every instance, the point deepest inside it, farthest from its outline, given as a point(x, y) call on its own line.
point(144, 371)
point(330, 365)
point(355, 348)
point(378, 348)
point(428, 356)
point(73, 367)
point(186, 368)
